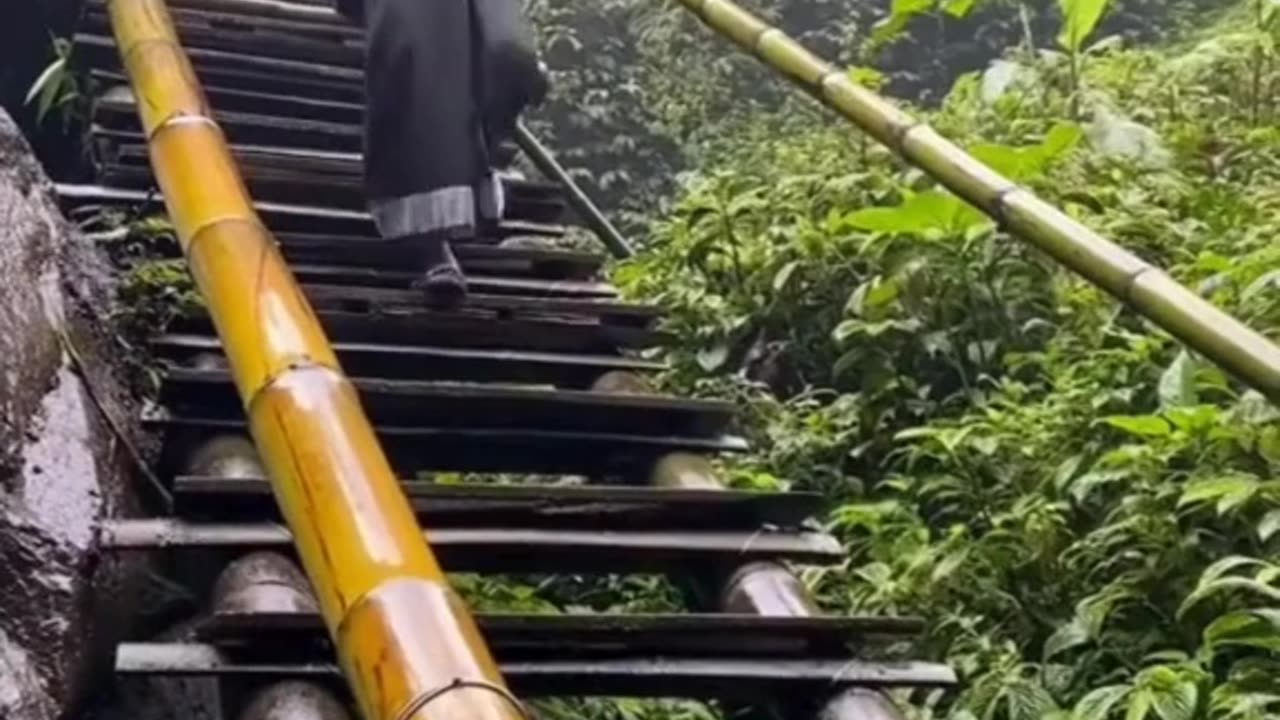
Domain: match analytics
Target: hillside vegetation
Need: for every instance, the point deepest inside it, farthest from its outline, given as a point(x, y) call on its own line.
point(1088, 516)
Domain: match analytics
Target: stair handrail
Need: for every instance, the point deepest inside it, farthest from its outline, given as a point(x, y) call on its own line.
point(579, 200)
point(407, 645)
point(1150, 291)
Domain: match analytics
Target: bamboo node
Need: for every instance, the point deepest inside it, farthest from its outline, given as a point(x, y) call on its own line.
point(898, 134)
point(426, 698)
point(181, 118)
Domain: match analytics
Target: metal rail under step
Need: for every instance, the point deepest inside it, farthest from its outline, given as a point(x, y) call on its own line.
point(470, 329)
point(529, 506)
point(294, 174)
point(510, 550)
point(737, 679)
point(403, 279)
point(279, 217)
point(533, 262)
point(409, 403)
point(375, 299)
point(440, 363)
point(579, 636)
point(422, 448)
point(507, 261)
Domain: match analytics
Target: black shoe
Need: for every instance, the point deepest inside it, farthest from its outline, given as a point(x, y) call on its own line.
point(442, 282)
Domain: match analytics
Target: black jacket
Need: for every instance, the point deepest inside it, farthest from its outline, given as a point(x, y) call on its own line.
point(351, 9)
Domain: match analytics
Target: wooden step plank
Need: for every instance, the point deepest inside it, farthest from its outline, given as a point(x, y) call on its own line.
point(279, 217)
point(252, 34)
point(578, 636)
point(284, 174)
point(476, 259)
point(472, 329)
point(117, 112)
point(357, 298)
point(440, 363)
point(100, 51)
point(517, 259)
point(341, 192)
point(408, 403)
point(734, 679)
point(349, 275)
point(247, 103)
point(508, 550)
point(228, 68)
point(130, 149)
point(286, 10)
point(569, 506)
point(416, 449)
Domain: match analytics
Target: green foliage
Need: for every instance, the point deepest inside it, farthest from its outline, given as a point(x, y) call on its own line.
point(1087, 514)
point(154, 293)
point(1079, 18)
point(156, 287)
point(56, 91)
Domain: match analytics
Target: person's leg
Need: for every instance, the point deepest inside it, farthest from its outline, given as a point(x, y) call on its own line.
point(424, 148)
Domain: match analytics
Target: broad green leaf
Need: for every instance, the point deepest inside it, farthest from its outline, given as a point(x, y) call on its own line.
point(1014, 163)
point(51, 77)
point(932, 210)
point(1265, 282)
point(1097, 704)
point(880, 293)
point(1079, 18)
point(1066, 472)
point(958, 8)
point(948, 565)
point(1069, 635)
point(1225, 585)
point(1228, 491)
point(1213, 574)
point(1193, 418)
point(916, 433)
point(900, 13)
point(1061, 138)
point(1269, 444)
point(1028, 700)
point(1085, 484)
point(1177, 702)
point(1269, 525)
point(1140, 701)
point(1178, 382)
point(1257, 628)
point(867, 77)
point(1022, 163)
point(784, 276)
point(713, 358)
point(1221, 568)
point(1151, 426)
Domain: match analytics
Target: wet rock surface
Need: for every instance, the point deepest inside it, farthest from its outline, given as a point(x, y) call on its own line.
point(62, 468)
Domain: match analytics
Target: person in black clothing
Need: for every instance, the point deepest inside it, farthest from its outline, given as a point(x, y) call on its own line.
point(445, 81)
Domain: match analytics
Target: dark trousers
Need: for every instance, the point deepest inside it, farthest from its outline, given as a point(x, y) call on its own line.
point(445, 82)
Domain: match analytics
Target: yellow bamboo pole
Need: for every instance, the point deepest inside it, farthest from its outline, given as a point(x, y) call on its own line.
point(1215, 334)
point(407, 645)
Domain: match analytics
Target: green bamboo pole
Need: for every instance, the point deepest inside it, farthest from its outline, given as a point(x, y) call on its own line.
point(1245, 353)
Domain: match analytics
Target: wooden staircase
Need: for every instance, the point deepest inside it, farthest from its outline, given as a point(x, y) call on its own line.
point(541, 373)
